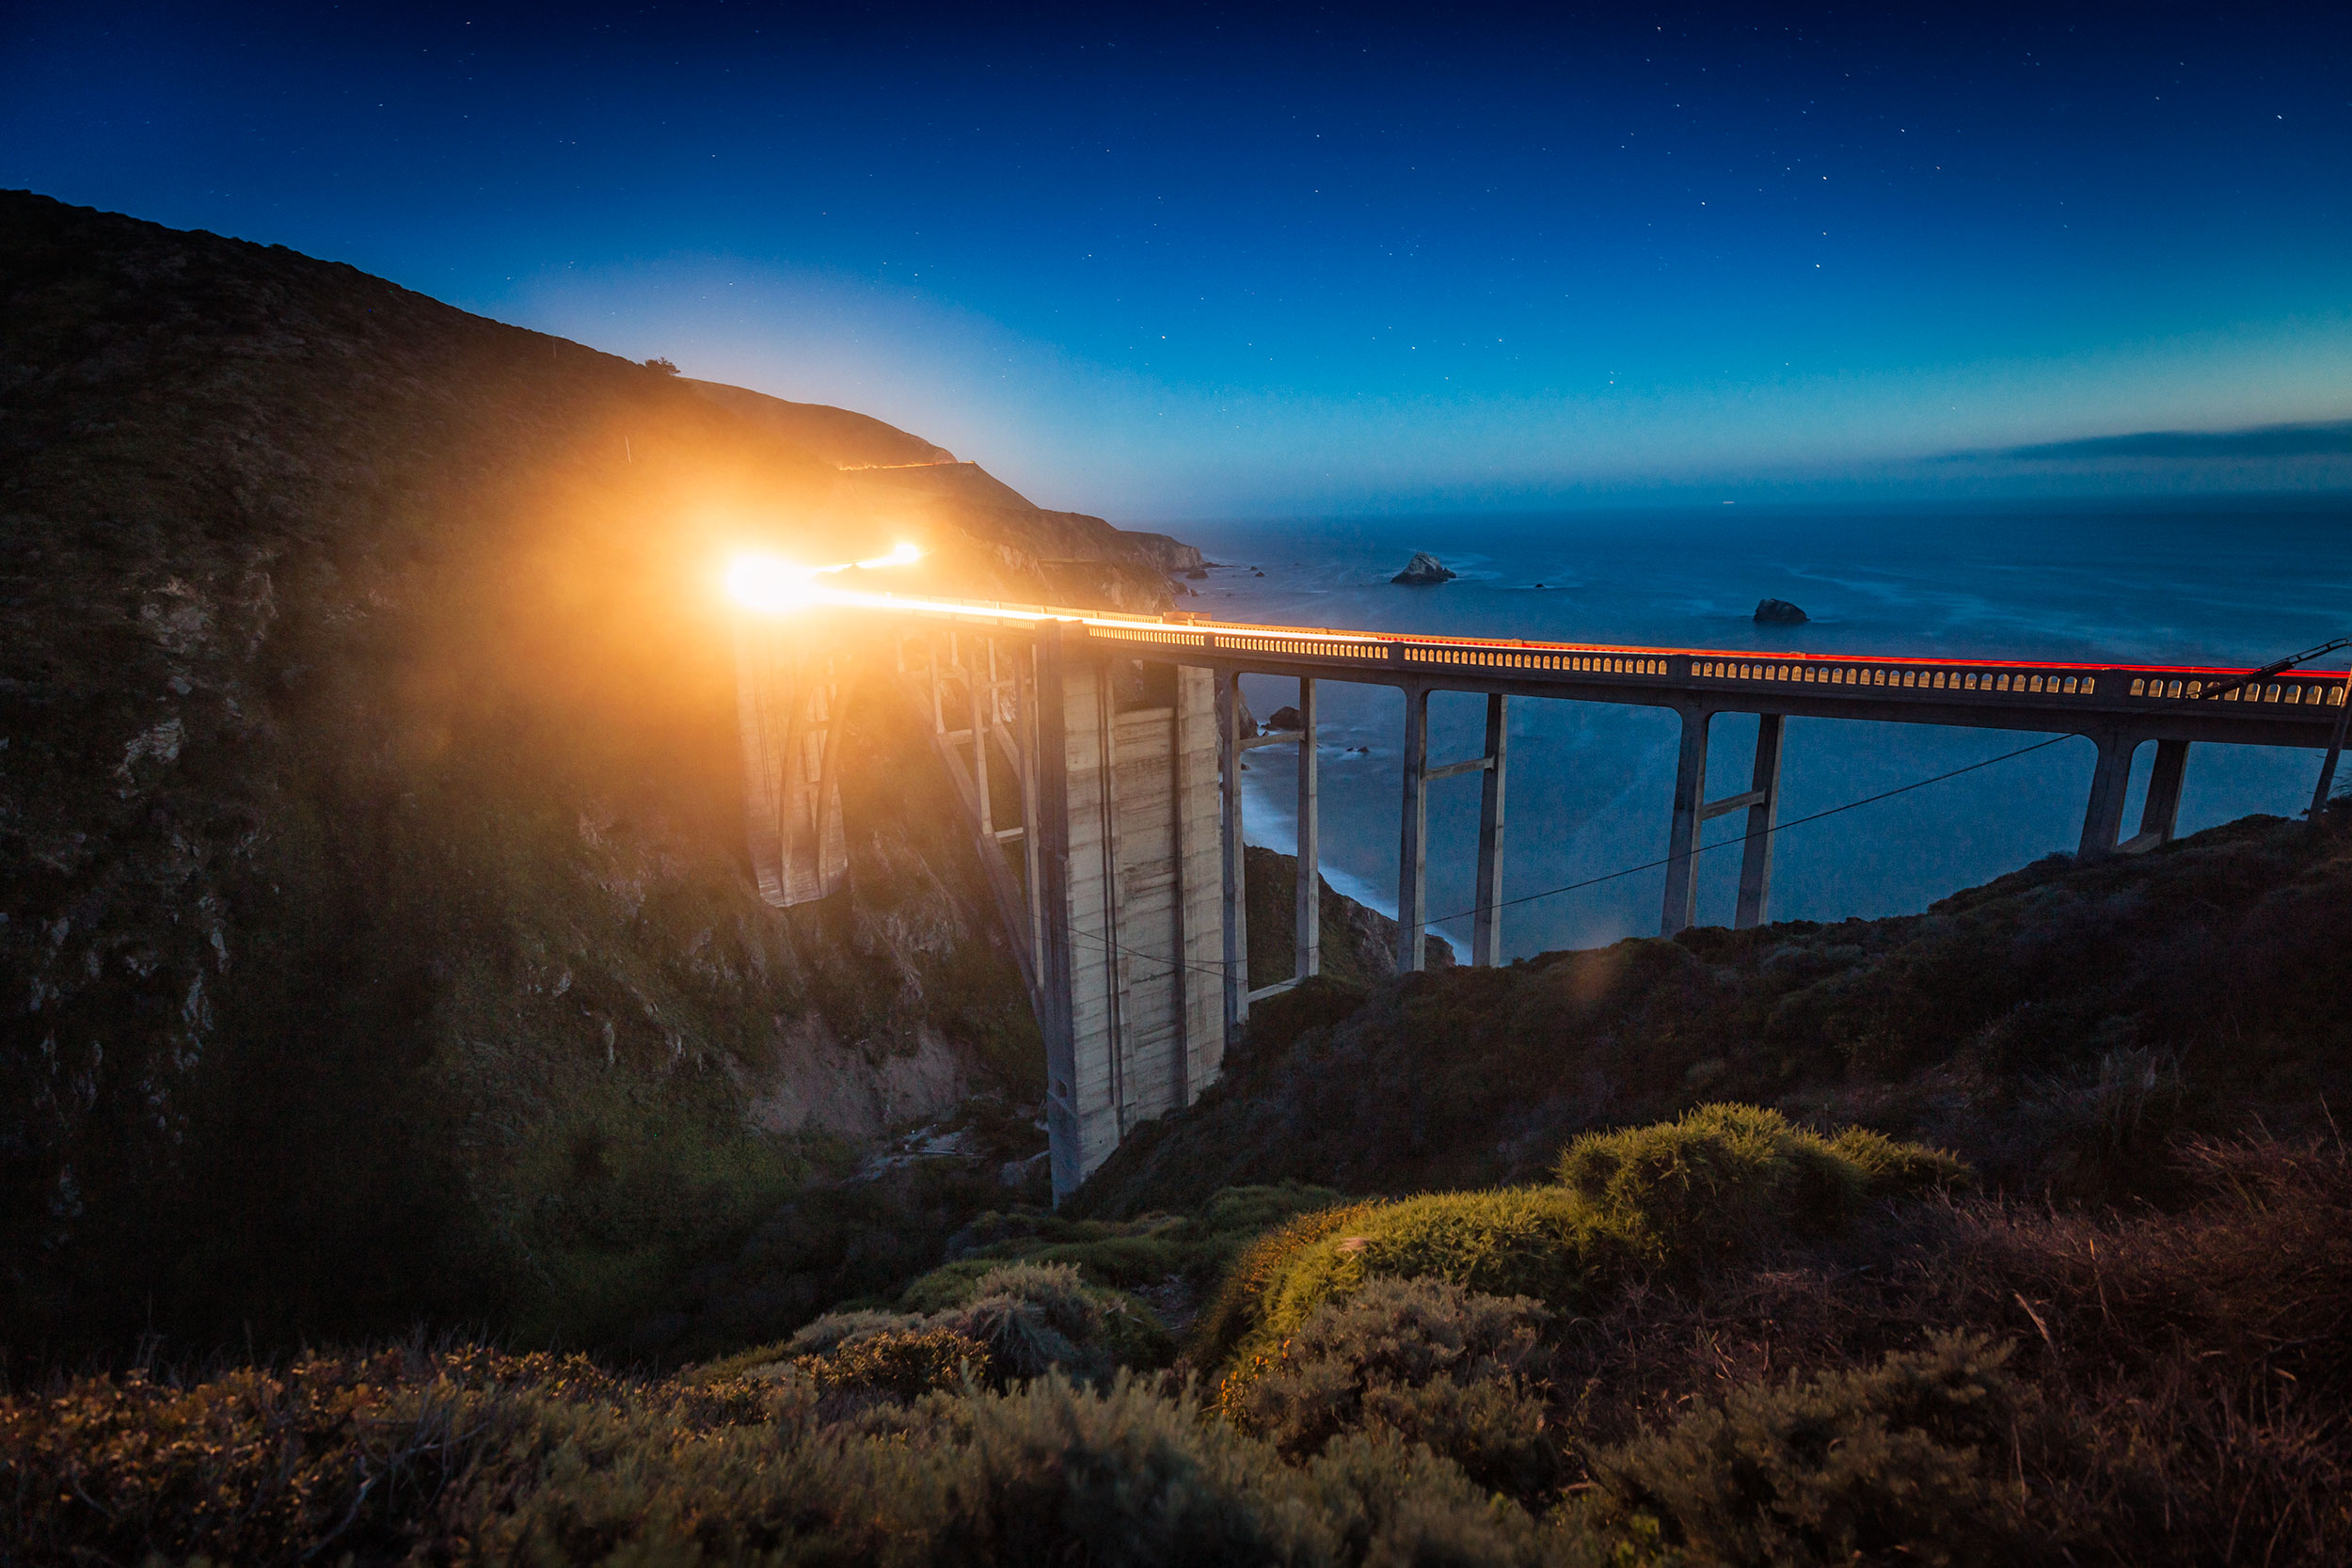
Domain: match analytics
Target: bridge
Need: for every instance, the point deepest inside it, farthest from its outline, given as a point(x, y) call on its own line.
point(1097, 757)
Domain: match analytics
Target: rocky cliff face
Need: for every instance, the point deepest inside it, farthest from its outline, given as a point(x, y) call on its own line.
point(377, 932)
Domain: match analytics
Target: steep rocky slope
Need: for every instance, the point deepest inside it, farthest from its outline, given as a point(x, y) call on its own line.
point(377, 930)
point(2059, 1027)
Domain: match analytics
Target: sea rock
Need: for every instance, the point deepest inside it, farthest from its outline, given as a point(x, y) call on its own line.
point(1779, 612)
point(1423, 571)
point(1286, 719)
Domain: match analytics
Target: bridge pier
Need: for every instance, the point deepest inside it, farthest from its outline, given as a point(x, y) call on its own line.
point(2110, 782)
point(1412, 850)
point(1486, 930)
point(787, 704)
point(1693, 811)
point(1682, 827)
point(1306, 928)
point(2161, 813)
point(1756, 861)
point(1235, 887)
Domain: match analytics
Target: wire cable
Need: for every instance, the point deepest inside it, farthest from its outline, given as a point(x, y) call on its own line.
point(1170, 966)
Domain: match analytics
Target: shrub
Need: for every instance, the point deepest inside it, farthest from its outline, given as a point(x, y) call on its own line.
point(1034, 1318)
point(1723, 1178)
point(1534, 1242)
point(1394, 1504)
point(1906, 1462)
point(1425, 1361)
point(900, 1363)
point(948, 1285)
point(1893, 1169)
point(1237, 1309)
point(837, 1328)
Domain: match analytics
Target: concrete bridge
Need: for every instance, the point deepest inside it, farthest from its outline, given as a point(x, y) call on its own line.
point(1097, 757)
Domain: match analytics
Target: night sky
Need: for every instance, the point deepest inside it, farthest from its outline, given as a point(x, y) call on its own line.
point(1204, 262)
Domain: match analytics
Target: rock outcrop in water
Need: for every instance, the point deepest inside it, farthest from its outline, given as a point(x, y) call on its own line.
point(1423, 571)
point(1779, 612)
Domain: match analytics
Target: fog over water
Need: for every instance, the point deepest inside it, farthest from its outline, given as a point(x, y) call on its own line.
point(2231, 581)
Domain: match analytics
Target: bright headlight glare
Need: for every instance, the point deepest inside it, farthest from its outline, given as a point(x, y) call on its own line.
point(764, 583)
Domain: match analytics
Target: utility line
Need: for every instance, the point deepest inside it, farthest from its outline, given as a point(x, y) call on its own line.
point(1697, 850)
point(1170, 966)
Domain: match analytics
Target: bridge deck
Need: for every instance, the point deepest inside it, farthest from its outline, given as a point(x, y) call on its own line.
point(2149, 701)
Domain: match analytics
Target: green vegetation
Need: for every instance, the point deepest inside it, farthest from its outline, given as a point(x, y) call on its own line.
point(1963, 1383)
point(1719, 1186)
point(1904, 1462)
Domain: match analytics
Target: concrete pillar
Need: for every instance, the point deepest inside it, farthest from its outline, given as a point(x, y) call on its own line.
point(1307, 923)
point(1056, 955)
point(2111, 781)
point(1756, 862)
point(1025, 724)
point(1229, 753)
point(786, 714)
point(1682, 829)
point(979, 742)
point(1486, 932)
point(2162, 812)
point(1412, 859)
point(1201, 856)
point(2342, 697)
point(1116, 959)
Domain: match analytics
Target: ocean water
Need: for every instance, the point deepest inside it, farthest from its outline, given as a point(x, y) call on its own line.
point(2226, 582)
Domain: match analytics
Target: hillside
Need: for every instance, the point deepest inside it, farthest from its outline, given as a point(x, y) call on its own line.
point(377, 932)
point(2057, 1027)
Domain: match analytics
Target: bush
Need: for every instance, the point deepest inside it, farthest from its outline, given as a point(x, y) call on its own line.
point(1034, 1318)
point(491, 1459)
point(1423, 1360)
point(837, 1328)
point(1894, 1169)
point(1722, 1180)
point(1537, 1242)
point(1238, 1308)
point(900, 1363)
point(1907, 1463)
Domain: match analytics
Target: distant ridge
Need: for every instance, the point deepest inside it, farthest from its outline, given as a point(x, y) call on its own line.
point(839, 436)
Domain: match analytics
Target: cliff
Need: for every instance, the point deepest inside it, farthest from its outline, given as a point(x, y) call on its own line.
point(378, 938)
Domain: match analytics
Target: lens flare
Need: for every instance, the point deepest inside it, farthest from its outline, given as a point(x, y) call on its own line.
point(774, 586)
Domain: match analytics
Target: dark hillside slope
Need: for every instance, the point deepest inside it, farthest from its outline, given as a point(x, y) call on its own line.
point(841, 437)
point(2056, 1027)
point(376, 932)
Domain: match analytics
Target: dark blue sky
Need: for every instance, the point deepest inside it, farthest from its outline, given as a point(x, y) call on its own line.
point(1212, 262)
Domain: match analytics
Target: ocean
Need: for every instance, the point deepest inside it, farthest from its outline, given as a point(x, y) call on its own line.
point(2229, 581)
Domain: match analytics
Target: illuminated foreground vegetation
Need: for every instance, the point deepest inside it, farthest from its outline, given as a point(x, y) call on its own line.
point(1507, 1318)
point(1764, 1356)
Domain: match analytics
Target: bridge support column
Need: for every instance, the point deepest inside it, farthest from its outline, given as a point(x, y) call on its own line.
point(1229, 751)
point(1307, 920)
point(1756, 861)
point(1412, 854)
point(1682, 829)
point(2161, 814)
point(2111, 781)
point(786, 709)
point(1056, 955)
point(1486, 930)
